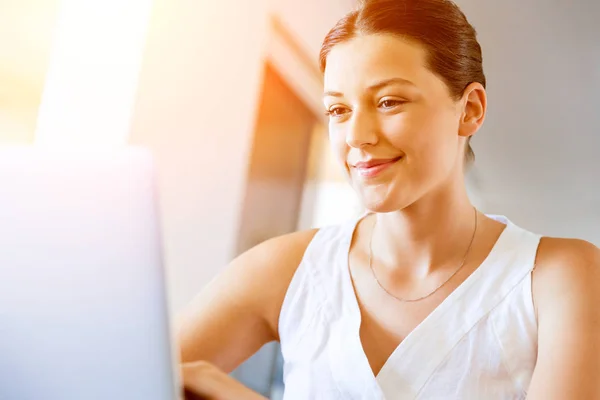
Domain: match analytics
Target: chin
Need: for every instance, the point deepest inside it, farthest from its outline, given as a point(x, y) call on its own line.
point(383, 204)
point(387, 197)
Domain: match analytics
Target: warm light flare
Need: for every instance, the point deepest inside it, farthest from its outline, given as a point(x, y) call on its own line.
point(92, 79)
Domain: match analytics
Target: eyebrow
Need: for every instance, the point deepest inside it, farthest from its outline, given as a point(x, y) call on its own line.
point(376, 86)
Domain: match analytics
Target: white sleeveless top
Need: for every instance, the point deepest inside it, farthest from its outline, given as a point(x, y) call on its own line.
point(480, 343)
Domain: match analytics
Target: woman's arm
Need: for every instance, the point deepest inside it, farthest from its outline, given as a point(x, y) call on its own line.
point(238, 312)
point(207, 382)
point(566, 287)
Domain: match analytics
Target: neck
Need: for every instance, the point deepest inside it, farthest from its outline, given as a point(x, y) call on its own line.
point(431, 234)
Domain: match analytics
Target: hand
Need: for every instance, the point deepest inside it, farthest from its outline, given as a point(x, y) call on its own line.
point(203, 380)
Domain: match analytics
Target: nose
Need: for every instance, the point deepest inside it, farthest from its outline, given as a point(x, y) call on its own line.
point(361, 129)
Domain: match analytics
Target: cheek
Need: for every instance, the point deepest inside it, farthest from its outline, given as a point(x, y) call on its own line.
point(405, 132)
point(424, 135)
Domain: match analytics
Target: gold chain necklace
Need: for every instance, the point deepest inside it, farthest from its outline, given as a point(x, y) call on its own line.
point(436, 289)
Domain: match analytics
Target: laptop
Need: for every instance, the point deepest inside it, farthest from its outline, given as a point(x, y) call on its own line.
point(83, 307)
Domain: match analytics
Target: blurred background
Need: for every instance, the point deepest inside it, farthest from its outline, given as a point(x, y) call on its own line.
point(227, 94)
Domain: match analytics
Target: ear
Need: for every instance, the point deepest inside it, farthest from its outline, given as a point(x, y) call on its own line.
point(474, 107)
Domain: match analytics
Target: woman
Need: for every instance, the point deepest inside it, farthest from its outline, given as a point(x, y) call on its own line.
point(422, 297)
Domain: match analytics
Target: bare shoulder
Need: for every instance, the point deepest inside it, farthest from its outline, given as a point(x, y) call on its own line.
point(565, 258)
point(562, 249)
point(262, 274)
point(238, 311)
point(271, 264)
point(566, 292)
point(565, 268)
point(281, 252)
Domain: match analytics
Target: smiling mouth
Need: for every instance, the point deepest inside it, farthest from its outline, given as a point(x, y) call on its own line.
point(375, 167)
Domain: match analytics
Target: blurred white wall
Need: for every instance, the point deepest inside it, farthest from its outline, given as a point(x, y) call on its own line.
point(537, 154)
point(310, 20)
point(196, 104)
point(195, 108)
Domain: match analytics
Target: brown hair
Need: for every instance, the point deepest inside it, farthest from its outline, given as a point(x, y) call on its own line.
point(454, 54)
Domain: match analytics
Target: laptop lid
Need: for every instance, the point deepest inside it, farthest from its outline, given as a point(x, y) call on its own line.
point(83, 310)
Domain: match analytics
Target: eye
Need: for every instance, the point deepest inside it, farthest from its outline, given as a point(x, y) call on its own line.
point(336, 111)
point(391, 103)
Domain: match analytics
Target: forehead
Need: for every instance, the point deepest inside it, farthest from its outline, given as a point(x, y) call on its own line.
point(367, 58)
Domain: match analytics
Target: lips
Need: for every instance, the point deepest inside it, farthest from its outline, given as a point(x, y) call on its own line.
point(373, 167)
point(375, 162)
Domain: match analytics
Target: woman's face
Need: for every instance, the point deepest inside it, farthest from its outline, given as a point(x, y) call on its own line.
point(392, 122)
